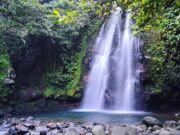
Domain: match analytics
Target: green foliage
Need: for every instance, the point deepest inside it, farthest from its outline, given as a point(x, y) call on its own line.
point(66, 77)
point(4, 66)
point(54, 92)
point(21, 19)
point(69, 24)
point(24, 15)
point(72, 12)
point(148, 14)
point(163, 68)
point(156, 65)
point(171, 37)
point(66, 24)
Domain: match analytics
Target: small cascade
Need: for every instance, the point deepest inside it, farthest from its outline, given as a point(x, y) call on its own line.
point(114, 75)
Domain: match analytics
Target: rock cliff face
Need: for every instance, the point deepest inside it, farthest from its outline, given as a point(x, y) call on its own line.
point(168, 100)
point(30, 68)
point(31, 65)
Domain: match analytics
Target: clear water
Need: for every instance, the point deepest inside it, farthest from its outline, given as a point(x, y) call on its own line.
point(104, 117)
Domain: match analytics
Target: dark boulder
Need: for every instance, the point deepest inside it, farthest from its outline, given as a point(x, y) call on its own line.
point(151, 121)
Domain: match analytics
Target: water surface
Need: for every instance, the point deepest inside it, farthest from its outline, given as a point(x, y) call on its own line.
point(105, 117)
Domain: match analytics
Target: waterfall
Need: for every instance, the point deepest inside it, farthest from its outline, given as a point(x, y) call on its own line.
point(125, 79)
point(114, 73)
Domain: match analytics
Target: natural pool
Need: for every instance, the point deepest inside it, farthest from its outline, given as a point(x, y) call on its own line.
point(104, 117)
point(89, 121)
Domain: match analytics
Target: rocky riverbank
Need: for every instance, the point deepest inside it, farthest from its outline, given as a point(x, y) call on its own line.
point(32, 126)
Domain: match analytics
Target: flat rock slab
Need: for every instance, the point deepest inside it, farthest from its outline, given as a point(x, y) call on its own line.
point(4, 133)
point(122, 131)
point(98, 130)
point(70, 131)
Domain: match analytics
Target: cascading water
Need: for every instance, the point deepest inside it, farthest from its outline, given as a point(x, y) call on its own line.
point(125, 77)
point(114, 72)
point(97, 83)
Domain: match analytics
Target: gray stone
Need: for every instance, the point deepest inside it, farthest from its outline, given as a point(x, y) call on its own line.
point(156, 127)
point(169, 132)
point(54, 132)
point(144, 127)
point(6, 124)
point(131, 131)
point(141, 128)
point(164, 132)
point(13, 131)
point(98, 130)
point(175, 133)
point(14, 121)
point(81, 130)
point(34, 133)
point(150, 129)
point(156, 132)
point(22, 119)
point(37, 122)
point(5, 132)
point(21, 129)
point(170, 129)
point(61, 125)
point(178, 122)
point(8, 81)
point(177, 114)
point(71, 124)
point(88, 128)
point(122, 131)
point(151, 121)
point(88, 134)
point(170, 123)
point(71, 131)
point(178, 127)
point(29, 126)
point(107, 132)
point(42, 129)
point(52, 126)
point(108, 127)
point(30, 118)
